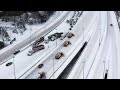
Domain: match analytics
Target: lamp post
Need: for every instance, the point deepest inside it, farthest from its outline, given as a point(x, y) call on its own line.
point(104, 68)
point(14, 65)
point(53, 67)
point(56, 39)
point(30, 34)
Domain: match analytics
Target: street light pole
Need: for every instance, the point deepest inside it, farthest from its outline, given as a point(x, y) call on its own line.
point(30, 34)
point(14, 66)
point(56, 39)
point(104, 69)
point(53, 67)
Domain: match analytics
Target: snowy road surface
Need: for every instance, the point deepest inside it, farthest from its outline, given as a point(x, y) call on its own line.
point(102, 53)
point(15, 46)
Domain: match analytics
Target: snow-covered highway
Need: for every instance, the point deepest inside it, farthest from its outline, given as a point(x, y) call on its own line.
point(22, 43)
point(105, 59)
point(100, 56)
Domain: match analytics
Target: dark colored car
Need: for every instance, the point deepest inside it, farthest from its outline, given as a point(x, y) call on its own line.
point(8, 64)
point(37, 42)
point(42, 75)
point(40, 65)
point(55, 36)
point(16, 52)
point(111, 24)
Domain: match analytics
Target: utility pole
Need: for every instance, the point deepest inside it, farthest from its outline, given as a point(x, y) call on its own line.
point(104, 69)
point(53, 67)
point(100, 37)
point(56, 39)
point(14, 65)
point(84, 69)
point(83, 35)
point(30, 34)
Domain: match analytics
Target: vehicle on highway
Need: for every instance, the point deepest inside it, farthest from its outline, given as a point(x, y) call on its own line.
point(54, 36)
point(74, 22)
point(38, 41)
point(111, 24)
point(8, 64)
point(59, 55)
point(36, 49)
point(70, 35)
point(16, 52)
point(66, 43)
point(42, 75)
point(68, 21)
point(40, 65)
point(71, 21)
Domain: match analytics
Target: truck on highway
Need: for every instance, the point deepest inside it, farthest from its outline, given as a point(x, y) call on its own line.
point(55, 36)
point(36, 49)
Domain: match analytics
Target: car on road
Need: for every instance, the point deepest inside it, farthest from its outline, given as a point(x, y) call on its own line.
point(66, 43)
point(42, 75)
point(54, 36)
point(40, 65)
point(70, 35)
point(38, 41)
point(111, 24)
point(16, 52)
point(36, 49)
point(59, 55)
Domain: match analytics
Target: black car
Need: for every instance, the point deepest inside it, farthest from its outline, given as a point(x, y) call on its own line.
point(8, 64)
point(55, 36)
point(40, 65)
point(111, 24)
point(16, 52)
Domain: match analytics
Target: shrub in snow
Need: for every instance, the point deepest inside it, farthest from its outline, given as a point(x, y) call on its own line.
point(2, 45)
